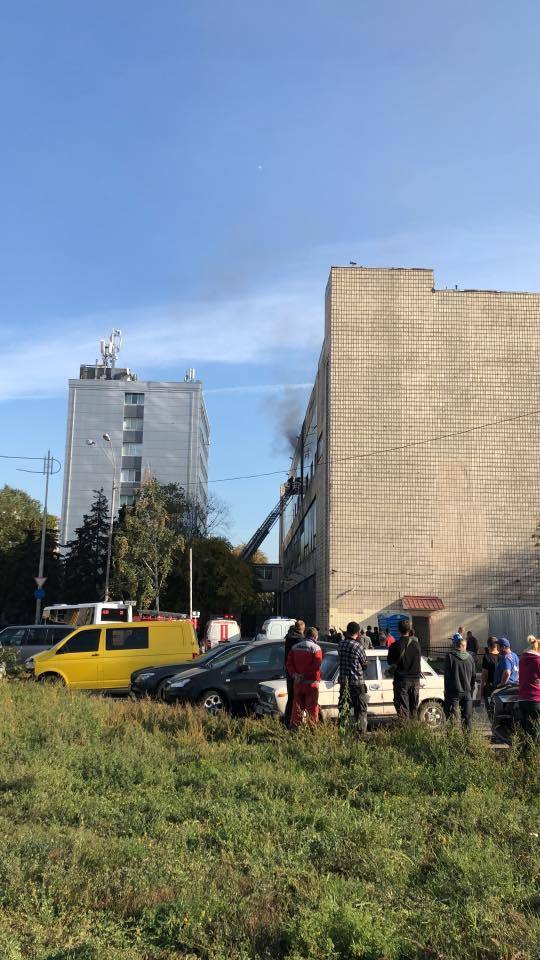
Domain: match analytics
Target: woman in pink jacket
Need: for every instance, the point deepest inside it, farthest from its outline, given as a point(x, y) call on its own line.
point(529, 688)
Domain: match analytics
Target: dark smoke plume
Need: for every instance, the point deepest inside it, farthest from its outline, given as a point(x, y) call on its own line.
point(287, 410)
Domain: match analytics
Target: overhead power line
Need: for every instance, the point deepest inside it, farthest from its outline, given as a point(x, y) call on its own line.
point(380, 451)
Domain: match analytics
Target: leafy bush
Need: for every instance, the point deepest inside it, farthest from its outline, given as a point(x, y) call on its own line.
point(139, 832)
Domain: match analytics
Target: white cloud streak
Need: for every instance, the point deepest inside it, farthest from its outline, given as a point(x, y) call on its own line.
point(252, 329)
point(264, 326)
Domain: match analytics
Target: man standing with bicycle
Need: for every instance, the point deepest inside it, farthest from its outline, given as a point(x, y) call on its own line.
point(404, 659)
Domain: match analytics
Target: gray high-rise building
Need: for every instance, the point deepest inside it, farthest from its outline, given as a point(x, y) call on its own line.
point(120, 427)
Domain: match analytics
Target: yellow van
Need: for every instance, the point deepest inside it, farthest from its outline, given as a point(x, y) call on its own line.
point(103, 656)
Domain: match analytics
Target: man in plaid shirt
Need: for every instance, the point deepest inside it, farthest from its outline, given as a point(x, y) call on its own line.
point(352, 663)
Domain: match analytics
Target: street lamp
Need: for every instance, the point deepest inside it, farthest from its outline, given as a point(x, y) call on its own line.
point(109, 453)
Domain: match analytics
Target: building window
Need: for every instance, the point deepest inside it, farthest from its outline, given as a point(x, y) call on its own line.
point(320, 448)
point(304, 541)
point(130, 475)
point(132, 450)
point(127, 499)
point(132, 423)
point(134, 399)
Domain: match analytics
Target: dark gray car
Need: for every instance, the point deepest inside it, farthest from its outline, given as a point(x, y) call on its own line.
point(25, 641)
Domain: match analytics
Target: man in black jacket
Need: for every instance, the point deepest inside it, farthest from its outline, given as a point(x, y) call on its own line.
point(293, 636)
point(459, 679)
point(404, 656)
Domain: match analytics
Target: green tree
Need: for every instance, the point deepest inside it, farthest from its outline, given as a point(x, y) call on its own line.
point(86, 562)
point(18, 513)
point(148, 541)
point(19, 566)
point(222, 582)
point(20, 539)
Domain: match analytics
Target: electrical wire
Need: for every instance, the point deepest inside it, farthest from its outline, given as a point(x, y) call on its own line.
point(11, 456)
point(355, 456)
point(382, 450)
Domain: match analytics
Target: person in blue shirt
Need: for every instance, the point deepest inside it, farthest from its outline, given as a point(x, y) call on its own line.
point(507, 669)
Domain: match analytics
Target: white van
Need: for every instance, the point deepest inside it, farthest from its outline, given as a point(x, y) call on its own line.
point(276, 628)
point(83, 614)
point(220, 630)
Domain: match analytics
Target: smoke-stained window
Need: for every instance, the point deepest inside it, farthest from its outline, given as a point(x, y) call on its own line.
point(309, 435)
point(304, 541)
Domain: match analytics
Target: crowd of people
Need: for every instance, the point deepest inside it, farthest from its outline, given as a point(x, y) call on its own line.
point(499, 666)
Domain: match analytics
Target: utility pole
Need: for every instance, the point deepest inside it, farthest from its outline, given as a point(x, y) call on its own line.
point(47, 469)
point(50, 467)
point(109, 545)
point(111, 457)
point(190, 583)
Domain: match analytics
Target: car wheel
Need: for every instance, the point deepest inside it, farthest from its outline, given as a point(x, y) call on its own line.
point(51, 678)
point(212, 701)
point(431, 713)
point(160, 689)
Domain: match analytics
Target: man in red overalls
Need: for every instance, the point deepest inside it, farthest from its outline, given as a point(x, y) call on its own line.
point(304, 665)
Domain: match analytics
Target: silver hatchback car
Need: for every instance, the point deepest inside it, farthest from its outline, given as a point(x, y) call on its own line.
point(27, 640)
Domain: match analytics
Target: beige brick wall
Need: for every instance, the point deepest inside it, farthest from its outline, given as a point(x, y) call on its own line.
point(453, 517)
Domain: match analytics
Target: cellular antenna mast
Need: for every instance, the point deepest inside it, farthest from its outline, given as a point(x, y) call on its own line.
point(111, 348)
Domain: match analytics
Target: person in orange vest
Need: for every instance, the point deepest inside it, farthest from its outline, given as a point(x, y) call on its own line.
point(304, 666)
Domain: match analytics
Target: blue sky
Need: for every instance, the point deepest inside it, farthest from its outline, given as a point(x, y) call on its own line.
point(189, 171)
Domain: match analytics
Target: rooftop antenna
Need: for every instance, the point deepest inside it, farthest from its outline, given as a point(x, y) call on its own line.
point(111, 348)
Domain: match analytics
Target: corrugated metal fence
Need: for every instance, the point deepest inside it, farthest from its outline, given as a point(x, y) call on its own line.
point(516, 623)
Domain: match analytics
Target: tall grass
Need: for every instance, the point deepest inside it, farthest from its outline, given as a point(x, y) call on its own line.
point(139, 832)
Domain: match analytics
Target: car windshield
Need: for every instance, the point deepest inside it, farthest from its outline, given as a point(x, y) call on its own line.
point(329, 665)
point(203, 663)
point(217, 658)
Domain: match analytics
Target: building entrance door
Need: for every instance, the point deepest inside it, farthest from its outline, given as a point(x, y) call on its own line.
point(422, 629)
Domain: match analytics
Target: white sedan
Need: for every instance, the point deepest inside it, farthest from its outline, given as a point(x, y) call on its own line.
point(273, 694)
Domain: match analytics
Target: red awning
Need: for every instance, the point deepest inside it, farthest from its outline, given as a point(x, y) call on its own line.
point(422, 603)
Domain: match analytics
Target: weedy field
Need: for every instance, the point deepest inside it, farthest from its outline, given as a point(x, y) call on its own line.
point(140, 832)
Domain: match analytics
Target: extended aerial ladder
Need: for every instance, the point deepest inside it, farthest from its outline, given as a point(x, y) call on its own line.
point(292, 488)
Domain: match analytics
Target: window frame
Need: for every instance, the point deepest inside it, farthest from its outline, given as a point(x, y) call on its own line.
point(15, 631)
point(262, 665)
point(132, 628)
point(129, 470)
point(77, 636)
point(135, 423)
point(132, 449)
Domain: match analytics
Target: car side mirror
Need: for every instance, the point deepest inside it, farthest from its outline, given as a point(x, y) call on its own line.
point(243, 666)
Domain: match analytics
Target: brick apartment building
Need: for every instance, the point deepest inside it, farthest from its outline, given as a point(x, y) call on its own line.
point(411, 500)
